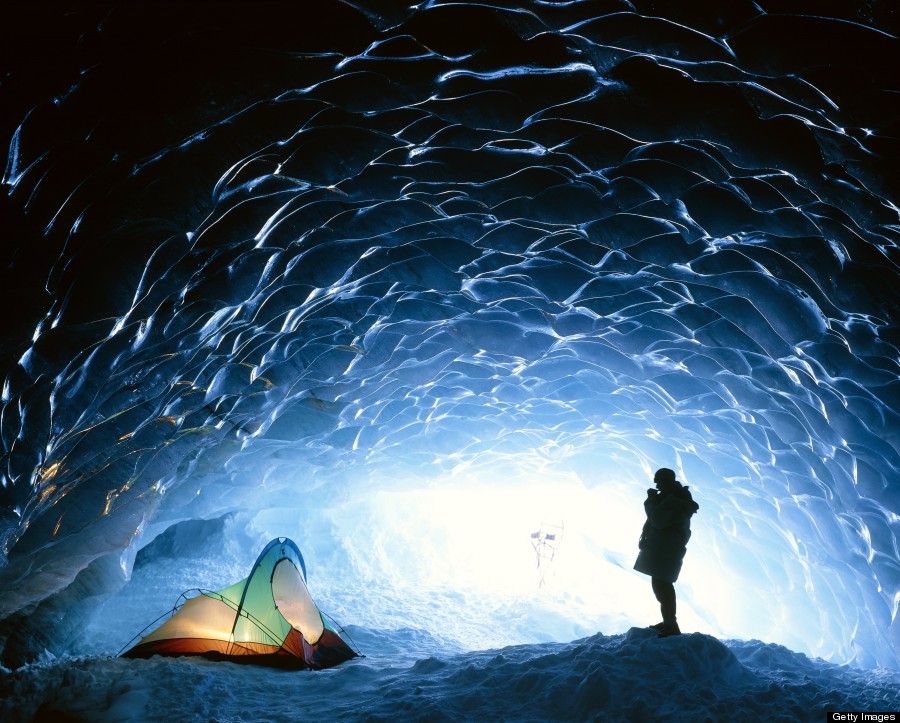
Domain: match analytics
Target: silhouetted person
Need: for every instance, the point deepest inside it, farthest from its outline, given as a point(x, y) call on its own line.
point(664, 541)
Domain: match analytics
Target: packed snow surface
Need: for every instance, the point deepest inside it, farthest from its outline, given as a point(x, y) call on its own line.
point(410, 673)
point(626, 677)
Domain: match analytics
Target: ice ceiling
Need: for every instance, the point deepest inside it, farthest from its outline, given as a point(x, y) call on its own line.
point(256, 259)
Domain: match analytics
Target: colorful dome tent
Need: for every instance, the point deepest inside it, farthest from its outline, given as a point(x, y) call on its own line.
point(268, 618)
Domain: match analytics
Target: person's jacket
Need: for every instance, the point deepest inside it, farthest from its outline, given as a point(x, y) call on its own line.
point(666, 532)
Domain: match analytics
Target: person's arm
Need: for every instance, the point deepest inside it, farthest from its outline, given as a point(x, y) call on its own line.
point(671, 511)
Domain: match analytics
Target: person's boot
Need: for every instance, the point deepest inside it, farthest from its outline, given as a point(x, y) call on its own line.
point(668, 629)
point(659, 626)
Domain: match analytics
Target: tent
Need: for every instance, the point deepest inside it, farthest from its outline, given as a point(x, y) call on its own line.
point(267, 618)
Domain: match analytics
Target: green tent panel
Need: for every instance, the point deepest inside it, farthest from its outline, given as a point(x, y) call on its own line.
point(267, 618)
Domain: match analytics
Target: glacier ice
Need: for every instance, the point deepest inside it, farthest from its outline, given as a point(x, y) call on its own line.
point(396, 293)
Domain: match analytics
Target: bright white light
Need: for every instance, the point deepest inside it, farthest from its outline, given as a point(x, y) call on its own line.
point(453, 554)
point(467, 540)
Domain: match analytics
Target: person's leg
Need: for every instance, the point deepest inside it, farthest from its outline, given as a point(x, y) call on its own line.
point(665, 594)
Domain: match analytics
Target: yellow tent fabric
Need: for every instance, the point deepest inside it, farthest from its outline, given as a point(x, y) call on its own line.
point(269, 617)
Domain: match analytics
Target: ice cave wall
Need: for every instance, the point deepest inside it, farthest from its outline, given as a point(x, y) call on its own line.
point(252, 254)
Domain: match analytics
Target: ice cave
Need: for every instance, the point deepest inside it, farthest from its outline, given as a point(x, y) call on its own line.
point(411, 283)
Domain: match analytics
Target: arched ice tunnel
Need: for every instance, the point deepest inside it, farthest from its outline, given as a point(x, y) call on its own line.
point(405, 279)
